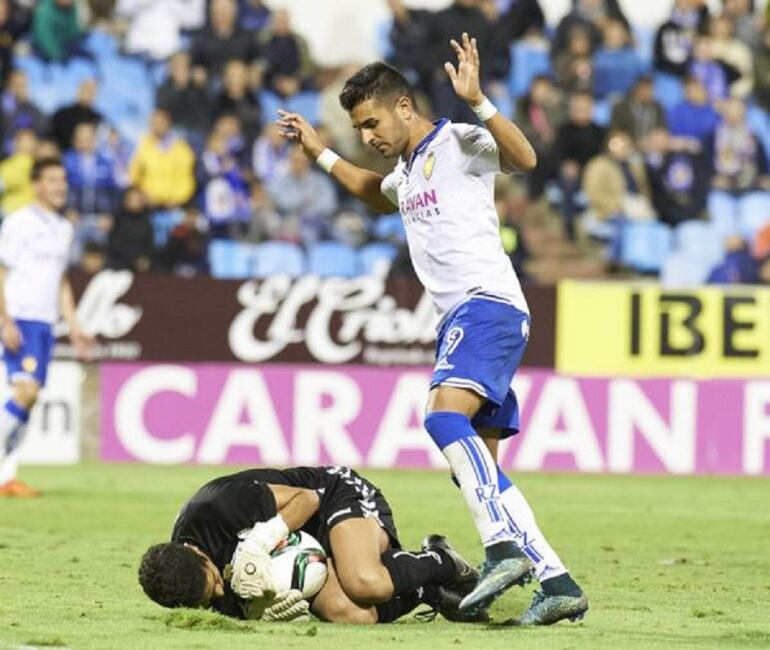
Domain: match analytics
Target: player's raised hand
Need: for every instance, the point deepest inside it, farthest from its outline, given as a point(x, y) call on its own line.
point(465, 78)
point(297, 129)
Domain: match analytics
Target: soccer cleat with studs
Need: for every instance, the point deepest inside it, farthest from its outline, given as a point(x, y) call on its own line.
point(495, 579)
point(547, 610)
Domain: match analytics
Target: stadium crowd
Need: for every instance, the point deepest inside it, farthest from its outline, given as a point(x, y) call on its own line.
point(653, 144)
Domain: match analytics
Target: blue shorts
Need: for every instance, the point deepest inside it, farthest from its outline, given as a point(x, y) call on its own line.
point(33, 356)
point(479, 347)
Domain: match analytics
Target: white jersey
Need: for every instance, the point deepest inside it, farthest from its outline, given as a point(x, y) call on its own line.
point(446, 200)
point(34, 247)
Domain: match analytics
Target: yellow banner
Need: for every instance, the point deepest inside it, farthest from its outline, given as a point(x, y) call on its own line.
point(643, 330)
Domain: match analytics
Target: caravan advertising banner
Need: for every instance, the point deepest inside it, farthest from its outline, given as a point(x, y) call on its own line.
point(643, 330)
point(372, 417)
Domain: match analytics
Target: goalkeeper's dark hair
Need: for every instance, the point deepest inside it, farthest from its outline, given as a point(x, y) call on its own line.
point(376, 81)
point(173, 575)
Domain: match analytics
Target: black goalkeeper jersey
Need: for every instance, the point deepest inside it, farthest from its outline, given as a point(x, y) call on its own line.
point(231, 505)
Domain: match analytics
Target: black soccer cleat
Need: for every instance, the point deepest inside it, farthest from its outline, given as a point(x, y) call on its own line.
point(495, 579)
point(465, 572)
point(547, 610)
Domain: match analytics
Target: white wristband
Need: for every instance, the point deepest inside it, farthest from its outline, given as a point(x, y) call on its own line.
point(268, 534)
point(326, 160)
point(485, 110)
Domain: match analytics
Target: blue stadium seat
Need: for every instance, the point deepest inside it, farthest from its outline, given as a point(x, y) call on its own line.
point(759, 120)
point(163, 222)
point(668, 89)
point(231, 260)
point(384, 46)
point(602, 112)
point(308, 104)
point(700, 238)
point(101, 44)
point(279, 258)
point(390, 227)
point(644, 36)
point(376, 258)
point(34, 68)
point(332, 259)
point(753, 214)
point(645, 245)
point(528, 59)
point(270, 103)
point(685, 270)
point(722, 214)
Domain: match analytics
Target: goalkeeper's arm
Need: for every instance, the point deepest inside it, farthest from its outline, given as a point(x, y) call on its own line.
point(295, 505)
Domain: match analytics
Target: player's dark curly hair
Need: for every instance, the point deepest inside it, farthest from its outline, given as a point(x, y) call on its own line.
point(375, 81)
point(173, 575)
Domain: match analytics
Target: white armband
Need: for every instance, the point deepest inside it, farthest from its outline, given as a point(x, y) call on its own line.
point(485, 111)
point(326, 160)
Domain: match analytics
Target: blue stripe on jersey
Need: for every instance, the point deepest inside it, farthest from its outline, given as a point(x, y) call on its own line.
point(424, 143)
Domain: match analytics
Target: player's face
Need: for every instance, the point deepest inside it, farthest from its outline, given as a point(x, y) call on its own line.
point(381, 126)
point(51, 188)
point(215, 585)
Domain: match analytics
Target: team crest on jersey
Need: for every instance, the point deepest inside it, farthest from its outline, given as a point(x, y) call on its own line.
point(29, 364)
point(427, 168)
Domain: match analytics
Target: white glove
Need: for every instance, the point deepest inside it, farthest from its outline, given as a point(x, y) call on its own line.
point(252, 576)
point(289, 606)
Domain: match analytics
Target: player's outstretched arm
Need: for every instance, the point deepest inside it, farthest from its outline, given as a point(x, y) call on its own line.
point(362, 183)
point(516, 153)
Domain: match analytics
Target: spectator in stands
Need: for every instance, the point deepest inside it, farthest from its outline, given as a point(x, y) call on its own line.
point(617, 190)
point(731, 52)
point(574, 66)
point(185, 96)
point(66, 119)
point(17, 110)
point(15, 182)
point(155, 27)
point(119, 151)
point(762, 70)
point(746, 24)
point(92, 187)
point(539, 114)
point(224, 188)
point(675, 38)
point(461, 16)
point(264, 221)
point(616, 64)
point(306, 193)
point(163, 167)
point(56, 29)
point(740, 162)
point(288, 68)
point(715, 76)
point(523, 19)
point(131, 243)
point(270, 154)
point(511, 209)
point(694, 117)
point(222, 40)
point(679, 173)
point(350, 227)
point(93, 258)
point(229, 127)
point(738, 266)
point(639, 113)
point(590, 16)
point(253, 15)
point(409, 41)
point(185, 251)
point(236, 98)
point(577, 141)
point(14, 21)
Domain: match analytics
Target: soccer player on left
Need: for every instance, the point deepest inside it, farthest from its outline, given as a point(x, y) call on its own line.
point(34, 292)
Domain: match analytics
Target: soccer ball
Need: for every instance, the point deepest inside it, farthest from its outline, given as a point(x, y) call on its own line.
point(299, 562)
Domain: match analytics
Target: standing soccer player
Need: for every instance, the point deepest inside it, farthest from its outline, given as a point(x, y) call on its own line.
point(34, 291)
point(443, 185)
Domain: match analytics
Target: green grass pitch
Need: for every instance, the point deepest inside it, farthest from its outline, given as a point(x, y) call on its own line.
point(667, 563)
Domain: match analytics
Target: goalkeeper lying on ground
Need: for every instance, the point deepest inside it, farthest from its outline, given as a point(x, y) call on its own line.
point(370, 580)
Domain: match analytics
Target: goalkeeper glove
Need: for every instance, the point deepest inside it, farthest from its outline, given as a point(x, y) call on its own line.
point(252, 576)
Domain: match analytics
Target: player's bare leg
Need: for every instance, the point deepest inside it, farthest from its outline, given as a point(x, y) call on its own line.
point(371, 572)
point(561, 597)
point(333, 605)
point(450, 410)
point(13, 423)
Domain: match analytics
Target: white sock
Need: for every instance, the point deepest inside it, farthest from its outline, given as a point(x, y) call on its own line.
point(527, 534)
point(9, 465)
point(475, 471)
point(13, 423)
